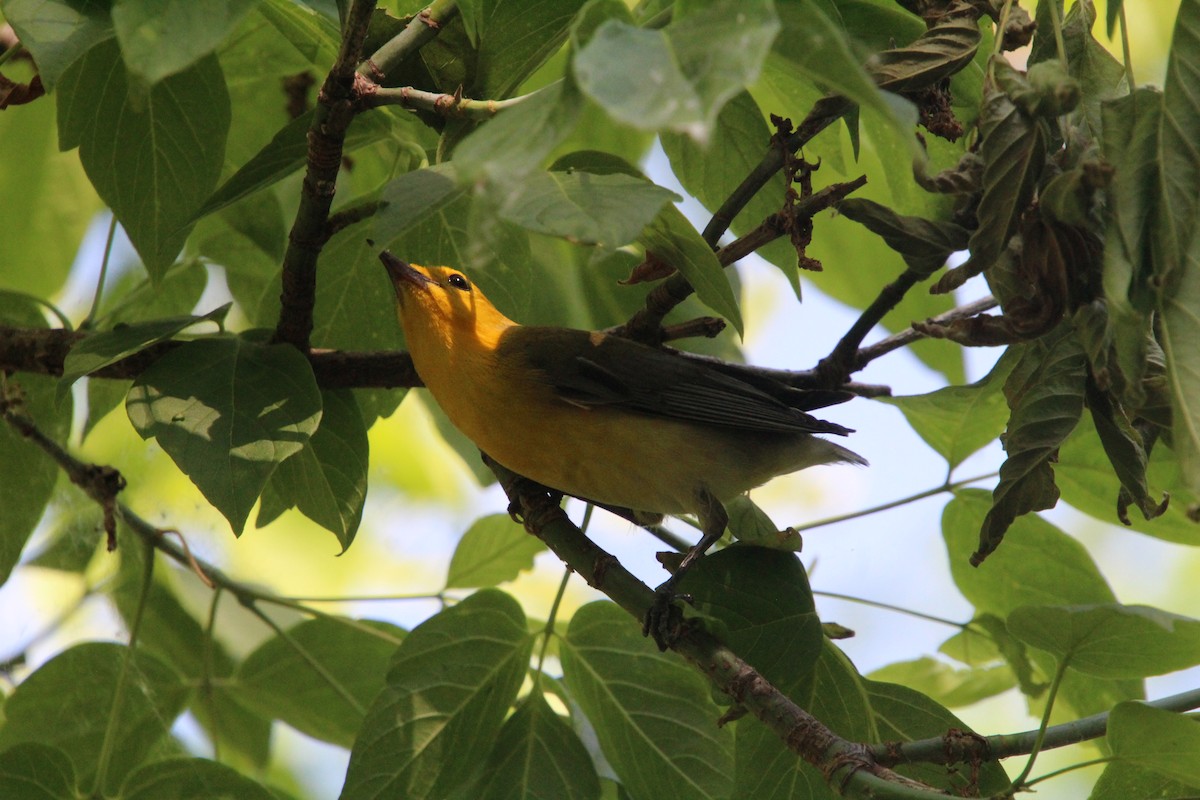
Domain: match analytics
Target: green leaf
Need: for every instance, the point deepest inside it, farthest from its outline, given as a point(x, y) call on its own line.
point(30, 771)
point(47, 201)
point(538, 757)
point(903, 714)
point(227, 411)
point(27, 473)
point(493, 550)
point(313, 35)
point(287, 152)
point(750, 524)
point(519, 139)
point(163, 37)
point(1161, 741)
point(677, 78)
point(1177, 158)
point(958, 420)
point(327, 480)
point(1045, 392)
point(1179, 323)
point(673, 240)
point(191, 779)
point(513, 38)
point(924, 244)
point(946, 684)
point(1111, 641)
point(1122, 780)
point(762, 599)
point(108, 347)
point(150, 154)
point(766, 769)
point(412, 198)
point(67, 703)
point(248, 240)
point(1126, 452)
point(449, 688)
point(320, 677)
point(58, 32)
point(601, 210)
point(639, 700)
point(1038, 565)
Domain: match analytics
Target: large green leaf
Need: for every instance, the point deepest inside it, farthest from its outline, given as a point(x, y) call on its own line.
point(493, 550)
point(602, 210)
point(327, 480)
point(639, 700)
point(677, 78)
point(762, 602)
point(152, 155)
point(448, 690)
point(1166, 743)
point(538, 757)
point(320, 676)
point(1111, 641)
point(946, 684)
point(46, 198)
point(67, 703)
point(413, 197)
point(30, 771)
point(513, 38)
point(58, 32)
point(27, 474)
point(227, 411)
point(191, 779)
point(958, 420)
point(1178, 266)
point(1045, 392)
point(1122, 780)
point(1039, 564)
point(163, 37)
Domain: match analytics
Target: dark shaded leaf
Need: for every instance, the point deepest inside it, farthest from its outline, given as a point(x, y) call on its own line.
point(538, 757)
point(924, 244)
point(1045, 393)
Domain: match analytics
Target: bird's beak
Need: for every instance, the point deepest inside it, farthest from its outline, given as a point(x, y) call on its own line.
point(402, 271)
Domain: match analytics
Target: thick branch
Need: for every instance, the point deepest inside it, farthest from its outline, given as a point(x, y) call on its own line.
point(42, 351)
point(326, 137)
point(849, 766)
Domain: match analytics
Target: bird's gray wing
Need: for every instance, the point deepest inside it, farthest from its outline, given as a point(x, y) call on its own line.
point(592, 370)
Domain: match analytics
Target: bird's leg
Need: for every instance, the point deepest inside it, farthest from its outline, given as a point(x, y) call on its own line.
point(664, 619)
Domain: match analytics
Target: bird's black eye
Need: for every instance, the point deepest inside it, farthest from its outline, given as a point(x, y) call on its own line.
point(458, 282)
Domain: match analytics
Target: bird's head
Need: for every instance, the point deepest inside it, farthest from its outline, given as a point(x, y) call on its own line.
point(440, 304)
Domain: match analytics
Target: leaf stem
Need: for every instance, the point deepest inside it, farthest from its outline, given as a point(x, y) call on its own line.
point(889, 607)
point(206, 676)
point(110, 731)
point(1125, 50)
point(945, 487)
point(1056, 21)
point(1019, 782)
point(313, 664)
point(548, 631)
point(1081, 765)
point(446, 105)
point(90, 319)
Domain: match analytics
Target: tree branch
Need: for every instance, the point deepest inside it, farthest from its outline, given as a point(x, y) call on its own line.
point(326, 138)
point(849, 766)
point(446, 105)
point(420, 29)
point(644, 326)
point(968, 748)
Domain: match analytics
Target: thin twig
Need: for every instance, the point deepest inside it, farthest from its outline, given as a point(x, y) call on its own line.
point(446, 105)
point(909, 335)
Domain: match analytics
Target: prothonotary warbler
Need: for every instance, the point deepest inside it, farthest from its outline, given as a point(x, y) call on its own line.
point(600, 417)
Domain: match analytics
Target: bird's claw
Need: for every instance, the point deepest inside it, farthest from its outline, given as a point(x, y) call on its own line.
point(664, 619)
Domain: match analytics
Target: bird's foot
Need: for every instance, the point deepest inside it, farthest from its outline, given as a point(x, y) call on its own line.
point(664, 620)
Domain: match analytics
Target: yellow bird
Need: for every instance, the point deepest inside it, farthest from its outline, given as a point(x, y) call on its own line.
point(604, 418)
